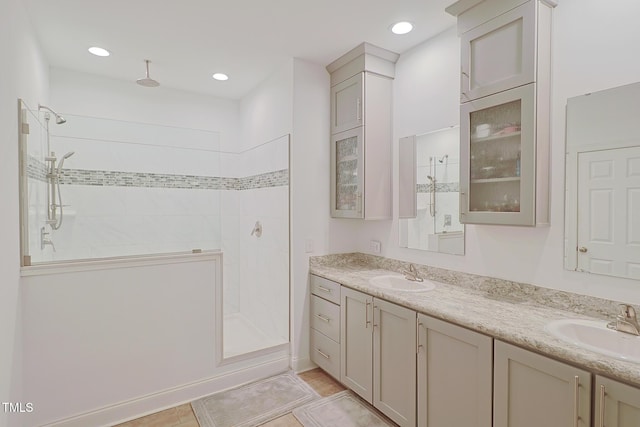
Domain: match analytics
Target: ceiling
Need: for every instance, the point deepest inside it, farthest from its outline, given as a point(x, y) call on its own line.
point(188, 40)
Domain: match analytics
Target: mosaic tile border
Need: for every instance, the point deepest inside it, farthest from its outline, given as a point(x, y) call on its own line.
point(445, 187)
point(99, 178)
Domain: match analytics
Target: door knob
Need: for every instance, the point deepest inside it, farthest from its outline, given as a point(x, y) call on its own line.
point(582, 249)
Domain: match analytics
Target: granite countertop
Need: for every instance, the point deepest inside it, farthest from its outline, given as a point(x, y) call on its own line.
point(509, 311)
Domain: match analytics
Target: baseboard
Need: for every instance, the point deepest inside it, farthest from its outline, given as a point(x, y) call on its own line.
point(301, 365)
point(169, 398)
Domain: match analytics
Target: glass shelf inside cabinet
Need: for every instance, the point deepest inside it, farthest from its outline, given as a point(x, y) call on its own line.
point(347, 173)
point(495, 149)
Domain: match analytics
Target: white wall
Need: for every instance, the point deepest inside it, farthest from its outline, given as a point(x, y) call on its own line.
point(593, 46)
point(85, 94)
point(310, 218)
point(267, 111)
point(99, 338)
point(24, 72)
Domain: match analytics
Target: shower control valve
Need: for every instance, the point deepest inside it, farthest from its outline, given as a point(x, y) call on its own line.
point(45, 240)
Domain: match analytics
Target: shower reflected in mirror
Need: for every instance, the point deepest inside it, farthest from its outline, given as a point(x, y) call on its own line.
point(429, 192)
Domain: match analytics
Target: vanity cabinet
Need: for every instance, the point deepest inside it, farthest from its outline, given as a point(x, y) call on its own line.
point(504, 111)
point(616, 404)
point(361, 133)
point(531, 390)
point(379, 354)
point(455, 368)
point(325, 324)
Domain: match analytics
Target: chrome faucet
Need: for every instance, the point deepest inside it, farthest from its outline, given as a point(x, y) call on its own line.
point(412, 274)
point(626, 321)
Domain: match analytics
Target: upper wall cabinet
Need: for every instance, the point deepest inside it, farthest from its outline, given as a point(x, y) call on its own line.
point(361, 133)
point(346, 104)
point(504, 112)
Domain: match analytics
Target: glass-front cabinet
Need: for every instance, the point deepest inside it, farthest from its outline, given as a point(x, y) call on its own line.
point(347, 174)
point(498, 158)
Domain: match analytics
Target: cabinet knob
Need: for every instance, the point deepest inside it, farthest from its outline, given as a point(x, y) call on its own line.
point(582, 249)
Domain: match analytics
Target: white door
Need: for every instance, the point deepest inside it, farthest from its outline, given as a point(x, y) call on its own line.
point(609, 212)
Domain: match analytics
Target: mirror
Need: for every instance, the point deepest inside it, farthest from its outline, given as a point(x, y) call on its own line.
point(602, 211)
point(429, 193)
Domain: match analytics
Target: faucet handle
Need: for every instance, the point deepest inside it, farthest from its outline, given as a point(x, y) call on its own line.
point(627, 311)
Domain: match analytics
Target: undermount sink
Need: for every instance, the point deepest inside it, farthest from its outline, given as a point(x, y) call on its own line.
point(594, 335)
point(399, 283)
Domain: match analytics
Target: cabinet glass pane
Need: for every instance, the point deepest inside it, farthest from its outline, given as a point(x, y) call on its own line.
point(495, 162)
point(347, 174)
point(497, 55)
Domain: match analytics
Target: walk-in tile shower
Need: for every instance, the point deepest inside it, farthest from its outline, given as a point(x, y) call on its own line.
point(96, 188)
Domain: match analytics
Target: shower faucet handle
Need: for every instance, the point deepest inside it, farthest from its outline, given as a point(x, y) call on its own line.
point(45, 240)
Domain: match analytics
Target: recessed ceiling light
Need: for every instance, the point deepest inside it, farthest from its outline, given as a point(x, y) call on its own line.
point(401, 27)
point(220, 76)
point(98, 51)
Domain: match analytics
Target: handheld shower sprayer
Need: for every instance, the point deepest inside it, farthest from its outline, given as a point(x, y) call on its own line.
point(59, 119)
point(66, 156)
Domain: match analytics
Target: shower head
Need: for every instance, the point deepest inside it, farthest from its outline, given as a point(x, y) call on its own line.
point(446, 156)
point(66, 156)
point(147, 81)
point(59, 119)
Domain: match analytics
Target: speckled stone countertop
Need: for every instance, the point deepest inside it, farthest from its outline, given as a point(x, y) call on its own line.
point(509, 311)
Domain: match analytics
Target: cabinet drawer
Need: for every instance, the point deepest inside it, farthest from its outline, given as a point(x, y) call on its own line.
point(325, 353)
point(325, 289)
point(325, 317)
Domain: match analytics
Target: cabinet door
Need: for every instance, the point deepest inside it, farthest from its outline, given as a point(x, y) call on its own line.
point(455, 375)
point(347, 174)
point(499, 54)
point(617, 404)
point(347, 104)
point(394, 362)
point(498, 164)
point(532, 390)
point(356, 338)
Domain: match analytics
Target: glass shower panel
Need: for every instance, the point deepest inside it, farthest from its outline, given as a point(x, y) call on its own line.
point(127, 189)
point(33, 181)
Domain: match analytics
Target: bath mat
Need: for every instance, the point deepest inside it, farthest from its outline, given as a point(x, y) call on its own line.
point(253, 404)
point(342, 409)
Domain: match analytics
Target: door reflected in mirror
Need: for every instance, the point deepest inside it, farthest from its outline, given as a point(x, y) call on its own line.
point(602, 211)
point(430, 192)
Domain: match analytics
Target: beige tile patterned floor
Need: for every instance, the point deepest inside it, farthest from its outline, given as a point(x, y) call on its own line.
point(183, 416)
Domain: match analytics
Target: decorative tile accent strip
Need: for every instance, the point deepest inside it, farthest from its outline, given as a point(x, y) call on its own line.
point(445, 187)
point(157, 180)
point(36, 169)
point(270, 179)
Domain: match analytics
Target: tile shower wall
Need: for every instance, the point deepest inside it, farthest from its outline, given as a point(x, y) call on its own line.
point(257, 269)
point(131, 189)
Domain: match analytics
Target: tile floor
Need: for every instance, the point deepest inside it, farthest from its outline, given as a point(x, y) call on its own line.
point(183, 416)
